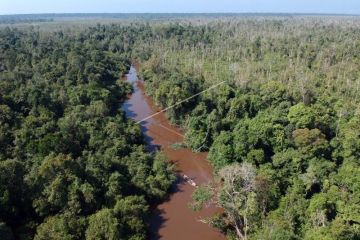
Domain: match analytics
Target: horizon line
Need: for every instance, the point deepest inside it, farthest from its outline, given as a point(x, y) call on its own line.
point(193, 13)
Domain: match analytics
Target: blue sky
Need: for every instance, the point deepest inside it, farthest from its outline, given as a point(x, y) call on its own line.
point(141, 6)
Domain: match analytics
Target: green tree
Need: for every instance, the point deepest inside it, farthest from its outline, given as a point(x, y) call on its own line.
point(301, 116)
point(222, 153)
point(103, 225)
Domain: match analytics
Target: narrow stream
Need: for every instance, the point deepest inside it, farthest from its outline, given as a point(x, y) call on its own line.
point(173, 220)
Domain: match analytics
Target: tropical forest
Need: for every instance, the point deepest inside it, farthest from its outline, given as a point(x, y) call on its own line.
point(180, 126)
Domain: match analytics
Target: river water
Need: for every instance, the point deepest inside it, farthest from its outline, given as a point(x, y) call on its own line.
point(172, 220)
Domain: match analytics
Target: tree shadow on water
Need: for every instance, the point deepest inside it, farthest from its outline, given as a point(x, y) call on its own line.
point(150, 145)
point(127, 108)
point(157, 219)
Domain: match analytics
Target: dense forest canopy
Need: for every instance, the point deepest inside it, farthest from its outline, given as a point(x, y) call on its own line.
point(283, 133)
point(71, 165)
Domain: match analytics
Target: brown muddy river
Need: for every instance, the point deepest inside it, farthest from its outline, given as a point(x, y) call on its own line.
point(173, 220)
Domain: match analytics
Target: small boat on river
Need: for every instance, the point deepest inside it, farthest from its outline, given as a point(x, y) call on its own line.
point(189, 180)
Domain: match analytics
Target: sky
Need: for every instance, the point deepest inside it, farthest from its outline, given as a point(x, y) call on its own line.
point(179, 6)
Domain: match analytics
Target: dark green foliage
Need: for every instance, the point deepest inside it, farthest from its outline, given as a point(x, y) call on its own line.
point(103, 225)
point(224, 153)
point(5, 232)
point(71, 165)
